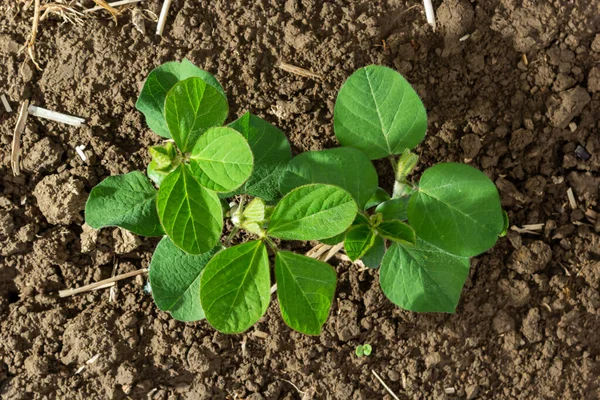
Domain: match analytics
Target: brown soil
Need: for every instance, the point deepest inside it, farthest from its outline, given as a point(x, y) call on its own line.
point(527, 324)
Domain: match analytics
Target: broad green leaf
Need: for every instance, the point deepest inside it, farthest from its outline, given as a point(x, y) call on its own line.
point(394, 209)
point(373, 256)
point(235, 287)
point(305, 289)
point(379, 197)
point(378, 112)
point(397, 231)
point(271, 154)
point(175, 280)
point(152, 98)
point(221, 159)
point(457, 208)
point(312, 212)
point(423, 278)
point(190, 214)
point(358, 241)
point(127, 201)
point(332, 241)
point(191, 107)
point(345, 167)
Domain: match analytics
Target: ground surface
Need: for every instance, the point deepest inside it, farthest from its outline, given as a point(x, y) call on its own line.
point(527, 324)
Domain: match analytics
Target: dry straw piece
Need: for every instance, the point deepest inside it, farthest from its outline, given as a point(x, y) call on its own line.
point(299, 71)
point(5, 103)
point(15, 154)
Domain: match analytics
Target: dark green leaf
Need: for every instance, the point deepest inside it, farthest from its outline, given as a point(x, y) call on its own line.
point(175, 280)
point(457, 208)
point(423, 278)
point(128, 201)
point(191, 107)
point(379, 197)
point(378, 112)
point(221, 159)
point(359, 239)
point(373, 257)
point(394, 209)
point(235, 287)
point(271, 154)
point(152, 98)
point(190, 214)
point(305, 289)
point(397, 231)
point(312, 212)
point(345, 167)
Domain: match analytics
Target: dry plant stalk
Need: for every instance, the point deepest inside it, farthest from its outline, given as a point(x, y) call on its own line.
point(113, 11)
point(34, 28)
point(65, 12)
point(299, 71)
point(15, 154)
point(105, 283)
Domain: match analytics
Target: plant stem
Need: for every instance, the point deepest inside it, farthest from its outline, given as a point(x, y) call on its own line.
point(233, 232)
point(271, 244)
point(97, 285)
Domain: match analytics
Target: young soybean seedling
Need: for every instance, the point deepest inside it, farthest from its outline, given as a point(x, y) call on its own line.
point(363, 350)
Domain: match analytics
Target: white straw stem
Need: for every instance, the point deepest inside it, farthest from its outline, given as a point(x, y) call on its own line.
point(384, 385)
point(104, 283)
point(429, 13)
point(55, 116)
point(5, 102)
point(162, 19)
point(113, 4)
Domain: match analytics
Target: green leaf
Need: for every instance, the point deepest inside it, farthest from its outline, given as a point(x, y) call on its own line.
point(156, 174)
point(379, 197)
point(127, 201)
point(221, 159)
point(397, 231)
point(254, 216)
point(164, 160)
point(367, 349)
point(190, 214)
point(175, 280)
point(360, 351)
point(271, 155)
point(373, 257)
point(378, 112)
point(394, 209)
point(305, 289)
point(457, 208)
point(235, 287)
point(312, 212)
point(332, 241)
point(152, 98)
point(345, 167)
point(423, 278)
point(506, 224)
point(359, 239)
point(191, 107)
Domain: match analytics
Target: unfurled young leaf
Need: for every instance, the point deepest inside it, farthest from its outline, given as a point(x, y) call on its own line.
point(221, 159)
point(175, 280)
point(127, 201)
point(394, 209)
point(164, 160)
point(457, 208)
point(312, 212)
point(152, 98)
point(191, 107)
point(271, 155)
point(379, 197)
point(345, 167)
point(397, 231)
point(254, 217)
point(359, 239)
point(190, 214)
point(423, 278)
point(373, 257)
point(235, 287)
point(305, 289)
point(378, 112)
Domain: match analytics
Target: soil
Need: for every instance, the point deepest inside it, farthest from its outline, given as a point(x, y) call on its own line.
point(511, 87)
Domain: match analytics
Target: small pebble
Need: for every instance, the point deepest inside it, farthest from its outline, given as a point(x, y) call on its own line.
point(582, 153)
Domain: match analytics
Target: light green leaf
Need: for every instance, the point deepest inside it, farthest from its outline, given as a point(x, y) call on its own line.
point(191, 107)
point(332, 241)
point(127, 201)
point(254, 216)
point(457, 208)
point(235, 287)
point(506, 224)
point(305, 289)
point(359, 239)
point(397, 231)
point(152, 98)
point(271, 154)
point(378, 112)
point(373, 256)
point(345, 167)
point(379, 197)
point(312, 212)
point(190, 214)
point(175, 280)
point(394, 209)
point(221, 159)
point(423, 278)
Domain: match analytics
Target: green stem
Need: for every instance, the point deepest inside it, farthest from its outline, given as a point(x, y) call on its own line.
point(271, 244)
point(233, 232)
